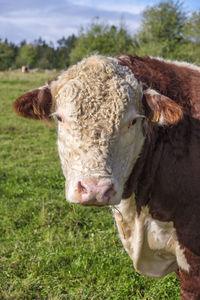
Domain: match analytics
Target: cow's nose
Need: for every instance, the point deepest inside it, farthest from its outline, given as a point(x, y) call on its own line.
point(93, 193)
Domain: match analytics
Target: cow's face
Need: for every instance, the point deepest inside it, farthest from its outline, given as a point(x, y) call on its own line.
point(97, 103)
point(99, 110)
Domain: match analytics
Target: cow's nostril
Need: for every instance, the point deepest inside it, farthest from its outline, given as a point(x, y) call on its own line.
point(92, 192)
point(81, 188)
point(109, 193)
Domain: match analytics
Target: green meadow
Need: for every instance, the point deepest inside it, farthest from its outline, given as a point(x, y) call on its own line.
point(50, 249)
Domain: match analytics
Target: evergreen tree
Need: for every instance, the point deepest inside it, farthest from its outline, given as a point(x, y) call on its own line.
point(7, 54)
point(46, 54)
point(65, 46)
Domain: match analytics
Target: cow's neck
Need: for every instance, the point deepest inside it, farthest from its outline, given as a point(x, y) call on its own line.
point(139, 182)
point(152, 245)
point(165, 177)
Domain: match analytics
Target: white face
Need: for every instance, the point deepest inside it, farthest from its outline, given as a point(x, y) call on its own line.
point(99, 129)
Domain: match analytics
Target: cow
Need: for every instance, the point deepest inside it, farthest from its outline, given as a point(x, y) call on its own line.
point(129, 138)
point(25, 69)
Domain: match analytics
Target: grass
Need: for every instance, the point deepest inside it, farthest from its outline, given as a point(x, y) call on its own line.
point(50, 249)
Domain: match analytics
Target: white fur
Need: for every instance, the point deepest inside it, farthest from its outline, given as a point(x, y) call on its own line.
point(152, 245)
point(96, 97)
point(179, 63)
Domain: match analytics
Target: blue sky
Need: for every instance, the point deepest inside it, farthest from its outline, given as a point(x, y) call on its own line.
point(53, 19)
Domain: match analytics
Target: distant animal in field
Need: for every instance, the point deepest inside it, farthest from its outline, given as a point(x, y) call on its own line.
point(25, 69)
point(129, 138)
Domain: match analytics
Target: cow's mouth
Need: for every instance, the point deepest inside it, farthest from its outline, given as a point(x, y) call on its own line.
point(94, 204)
point(96, 201)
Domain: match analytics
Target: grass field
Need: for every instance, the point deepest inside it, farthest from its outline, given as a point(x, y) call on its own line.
point(50, 249)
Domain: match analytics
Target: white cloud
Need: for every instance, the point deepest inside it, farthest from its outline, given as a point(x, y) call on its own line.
point(51, 20)
point(114, 6)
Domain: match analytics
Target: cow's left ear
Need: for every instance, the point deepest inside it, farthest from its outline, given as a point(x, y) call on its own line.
point(35, 104)
point(161, 109)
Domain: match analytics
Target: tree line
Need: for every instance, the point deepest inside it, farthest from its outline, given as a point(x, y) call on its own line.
point(166, 30)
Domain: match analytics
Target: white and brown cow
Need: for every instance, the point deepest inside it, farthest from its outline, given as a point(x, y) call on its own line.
point(129, 137)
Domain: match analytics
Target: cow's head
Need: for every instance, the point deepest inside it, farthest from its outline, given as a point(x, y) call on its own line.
point(98, 105)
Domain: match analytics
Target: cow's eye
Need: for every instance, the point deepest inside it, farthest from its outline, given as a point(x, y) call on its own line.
point(58, 117)
point(131, 123)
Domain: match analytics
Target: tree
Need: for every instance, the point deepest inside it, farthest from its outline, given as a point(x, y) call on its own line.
point(161, 30)
point(191, 51)
point(7, 54)
point(46, 54)
point(27, 55)
point(101, 38)
point(65, 46)
point(192, 28)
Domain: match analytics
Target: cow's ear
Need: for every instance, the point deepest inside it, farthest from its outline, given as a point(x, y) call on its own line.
point(35, 104)
point(161, 109)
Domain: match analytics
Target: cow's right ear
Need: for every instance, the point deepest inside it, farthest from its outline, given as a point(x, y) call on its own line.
point(35, 104)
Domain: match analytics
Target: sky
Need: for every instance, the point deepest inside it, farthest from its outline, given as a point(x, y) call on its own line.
point(53, 19)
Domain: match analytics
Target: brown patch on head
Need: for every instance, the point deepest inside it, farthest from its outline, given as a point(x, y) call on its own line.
point(177, 81)
point(35, 104)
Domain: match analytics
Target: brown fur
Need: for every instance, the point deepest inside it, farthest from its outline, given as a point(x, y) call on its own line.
point(180, 84)
point(167, 174)
point(162, 106)
point(35, 104)
point(190, 281)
